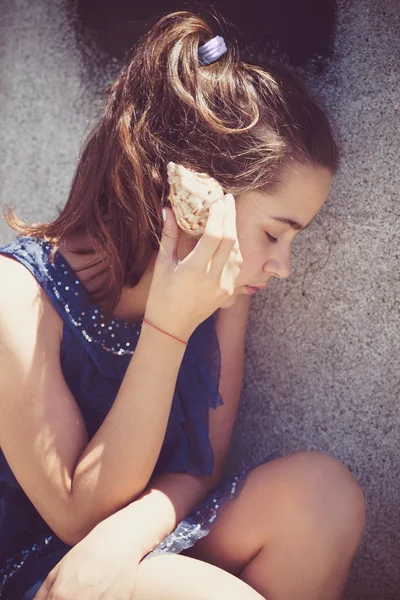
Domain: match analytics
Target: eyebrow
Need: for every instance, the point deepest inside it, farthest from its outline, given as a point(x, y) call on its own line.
point(293, 224)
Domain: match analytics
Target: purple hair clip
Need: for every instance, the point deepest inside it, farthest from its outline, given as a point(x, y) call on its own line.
point(212, 50)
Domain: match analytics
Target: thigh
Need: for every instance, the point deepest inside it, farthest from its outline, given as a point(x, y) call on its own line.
point(164, 577)
point(26, 582)
point(176, 577)
point(283, 498)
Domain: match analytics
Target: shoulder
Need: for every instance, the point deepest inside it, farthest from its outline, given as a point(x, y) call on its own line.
point(23, 302)
point(15, 277)
point(19, 290)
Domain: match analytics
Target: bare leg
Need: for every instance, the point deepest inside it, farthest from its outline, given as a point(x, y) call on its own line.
point(293, 531)
point(175, 577)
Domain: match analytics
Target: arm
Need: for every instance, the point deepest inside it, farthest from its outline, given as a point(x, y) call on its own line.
point(42, 432)
point(172, 497)
point(138, 528)
point(231, 331)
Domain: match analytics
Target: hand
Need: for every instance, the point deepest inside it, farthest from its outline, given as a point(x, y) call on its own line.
point(184, 293)
point(102, 565)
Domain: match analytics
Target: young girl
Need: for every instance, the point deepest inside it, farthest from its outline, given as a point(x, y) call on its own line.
point(122, 343)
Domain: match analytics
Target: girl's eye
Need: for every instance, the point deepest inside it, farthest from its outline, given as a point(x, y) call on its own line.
point(271, 238)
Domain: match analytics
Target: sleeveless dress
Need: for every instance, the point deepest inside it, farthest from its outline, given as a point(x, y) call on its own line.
point(94, 356)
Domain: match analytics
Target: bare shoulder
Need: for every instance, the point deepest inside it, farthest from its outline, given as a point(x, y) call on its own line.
point(16, 281)
point(23, 302)
point(42, 431)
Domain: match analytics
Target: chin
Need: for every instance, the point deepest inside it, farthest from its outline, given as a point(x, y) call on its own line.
point(229, 302)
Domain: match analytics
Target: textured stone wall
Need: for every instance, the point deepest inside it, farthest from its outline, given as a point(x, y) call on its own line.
point(322, 368)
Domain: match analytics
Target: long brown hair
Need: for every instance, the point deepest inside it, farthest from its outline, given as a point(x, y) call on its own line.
point(237, 122)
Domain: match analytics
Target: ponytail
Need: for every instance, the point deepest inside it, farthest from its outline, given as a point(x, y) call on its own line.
point(237, 122)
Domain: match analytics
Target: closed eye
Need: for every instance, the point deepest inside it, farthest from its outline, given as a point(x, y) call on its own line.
point(271, 238)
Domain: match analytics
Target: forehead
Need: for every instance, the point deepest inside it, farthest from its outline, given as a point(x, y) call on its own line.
point(298, 198)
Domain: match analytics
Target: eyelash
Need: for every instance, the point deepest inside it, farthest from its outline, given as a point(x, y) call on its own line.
point(272, 239)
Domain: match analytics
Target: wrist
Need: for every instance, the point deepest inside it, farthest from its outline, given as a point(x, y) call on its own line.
point(178, 333)
point(122, 532)
point(164, 332)
point(133, 528)
point(159, 342)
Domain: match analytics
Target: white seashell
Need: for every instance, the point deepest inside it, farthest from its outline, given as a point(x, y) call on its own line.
point(191, 195)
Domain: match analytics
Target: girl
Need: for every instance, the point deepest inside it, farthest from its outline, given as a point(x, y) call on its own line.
point(122, 342)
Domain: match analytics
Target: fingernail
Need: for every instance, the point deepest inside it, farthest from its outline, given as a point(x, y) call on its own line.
point(164, 215)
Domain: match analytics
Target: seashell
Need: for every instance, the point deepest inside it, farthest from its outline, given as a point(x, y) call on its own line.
point(191, 195)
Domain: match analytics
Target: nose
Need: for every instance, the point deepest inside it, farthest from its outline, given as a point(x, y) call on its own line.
point(278, 265)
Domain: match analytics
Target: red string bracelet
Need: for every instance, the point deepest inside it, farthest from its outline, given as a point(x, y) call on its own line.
point(162, 331)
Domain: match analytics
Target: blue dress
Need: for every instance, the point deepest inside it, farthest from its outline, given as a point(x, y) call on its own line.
point(94, 356)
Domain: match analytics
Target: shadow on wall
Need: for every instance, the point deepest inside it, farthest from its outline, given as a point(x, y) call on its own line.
point(299, 30)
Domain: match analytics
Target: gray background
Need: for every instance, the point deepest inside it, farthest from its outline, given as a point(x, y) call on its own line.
point(322, 369)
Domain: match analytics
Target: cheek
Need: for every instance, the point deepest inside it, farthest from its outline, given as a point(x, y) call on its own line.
point(253, 254)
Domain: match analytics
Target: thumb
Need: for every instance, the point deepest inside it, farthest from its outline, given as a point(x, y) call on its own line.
point(170, 235)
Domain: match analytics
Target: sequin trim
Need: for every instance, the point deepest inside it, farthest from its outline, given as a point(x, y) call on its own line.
point(13, 564)
point(199, 524)
point(64, 285)
point(187, 533)
point(102, 332)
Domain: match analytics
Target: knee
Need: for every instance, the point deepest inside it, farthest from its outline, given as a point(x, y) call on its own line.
point(315, 492)
point(326, 495)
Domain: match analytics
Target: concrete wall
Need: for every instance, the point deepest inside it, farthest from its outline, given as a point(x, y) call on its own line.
point(322, 367)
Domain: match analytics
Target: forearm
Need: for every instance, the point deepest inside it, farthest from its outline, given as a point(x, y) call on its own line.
point(168, 499)
point(125, 449)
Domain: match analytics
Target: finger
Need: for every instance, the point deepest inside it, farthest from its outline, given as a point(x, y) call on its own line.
point(44, 591)
point(170, 236)
point(212, 236)
point(230, 216)
point(228, 249)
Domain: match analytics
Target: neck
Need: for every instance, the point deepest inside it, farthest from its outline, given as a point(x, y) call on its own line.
point(132, 303)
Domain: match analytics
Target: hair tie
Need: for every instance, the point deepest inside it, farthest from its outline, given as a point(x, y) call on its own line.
point(212, 50)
